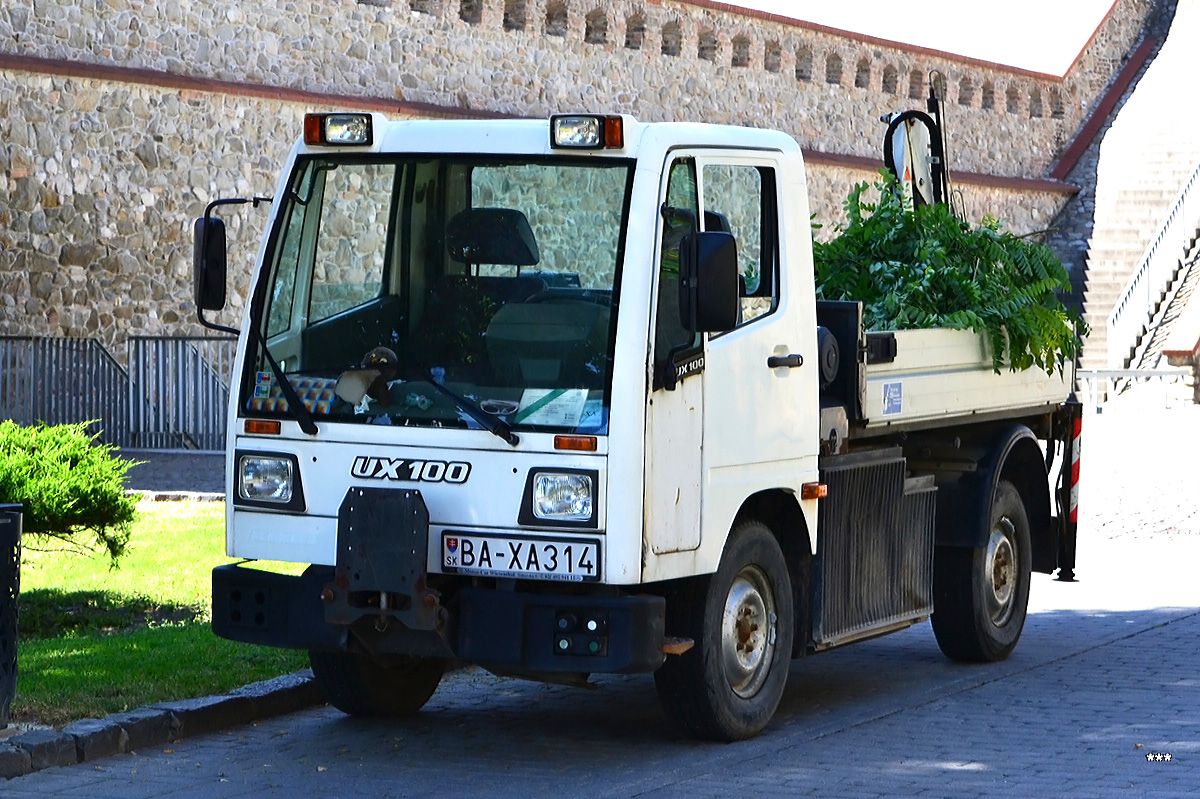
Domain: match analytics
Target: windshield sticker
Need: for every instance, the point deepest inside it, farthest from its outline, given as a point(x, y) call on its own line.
point(262, 385)
point(560, 407)
point(593, 415)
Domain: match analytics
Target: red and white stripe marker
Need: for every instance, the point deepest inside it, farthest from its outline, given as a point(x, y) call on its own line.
point(1076, 445)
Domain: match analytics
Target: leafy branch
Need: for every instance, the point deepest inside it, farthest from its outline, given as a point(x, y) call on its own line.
point(71, 487)
point(921, 267)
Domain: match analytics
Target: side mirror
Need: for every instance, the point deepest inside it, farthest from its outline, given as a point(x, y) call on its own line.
point(912, 152)
point(708, 282)
point(208, 263)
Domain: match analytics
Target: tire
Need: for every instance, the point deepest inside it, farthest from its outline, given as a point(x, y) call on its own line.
point(361, 685)
point(981, 593)
point(742, 619)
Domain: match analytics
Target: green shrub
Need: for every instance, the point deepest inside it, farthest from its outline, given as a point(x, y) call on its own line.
point(923, 267)
point(71, 487)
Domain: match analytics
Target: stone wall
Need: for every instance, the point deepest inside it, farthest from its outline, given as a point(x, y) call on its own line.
point(124, 118)
point(689, 61)
point(99, 184)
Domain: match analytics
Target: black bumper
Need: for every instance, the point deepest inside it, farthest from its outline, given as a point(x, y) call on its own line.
point(499, 629)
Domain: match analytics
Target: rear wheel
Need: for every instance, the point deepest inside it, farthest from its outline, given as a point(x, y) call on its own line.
point(981, 593)
point(729, 684)
point(362, 685)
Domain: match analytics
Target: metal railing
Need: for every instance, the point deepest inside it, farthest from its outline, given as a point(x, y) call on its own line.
point(173, 394)
point(64, 380)
point(1097, 386)
point(1144, 289)
point(179, 391)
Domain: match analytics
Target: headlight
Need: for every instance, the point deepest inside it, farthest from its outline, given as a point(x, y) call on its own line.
point(265, 478)
point(563, 497)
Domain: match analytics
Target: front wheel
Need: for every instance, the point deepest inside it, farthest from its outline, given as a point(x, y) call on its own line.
point(361, 685)
point(981, 593)
point(729, 684)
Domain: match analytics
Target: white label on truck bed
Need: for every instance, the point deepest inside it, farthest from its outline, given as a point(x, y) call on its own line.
point(893, 398)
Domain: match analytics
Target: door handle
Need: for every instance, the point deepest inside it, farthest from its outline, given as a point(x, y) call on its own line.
point(785, 361)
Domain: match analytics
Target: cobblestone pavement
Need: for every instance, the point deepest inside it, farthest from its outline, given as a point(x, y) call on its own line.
point(1101, 690)
point(160, 472)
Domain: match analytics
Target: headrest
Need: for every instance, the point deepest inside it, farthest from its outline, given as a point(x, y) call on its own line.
point(491, 236)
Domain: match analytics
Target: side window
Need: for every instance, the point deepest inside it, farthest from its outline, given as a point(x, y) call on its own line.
point(740, 199)
point(351, 238)
point(679, 217)
point(279, 317)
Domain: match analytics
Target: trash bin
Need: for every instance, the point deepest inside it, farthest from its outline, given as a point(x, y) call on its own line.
point(10, 588)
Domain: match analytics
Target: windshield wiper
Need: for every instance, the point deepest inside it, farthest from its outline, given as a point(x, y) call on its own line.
point(493, 424)
point(298, 408)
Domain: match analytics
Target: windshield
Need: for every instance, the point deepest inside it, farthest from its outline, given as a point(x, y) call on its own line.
point(494, 278)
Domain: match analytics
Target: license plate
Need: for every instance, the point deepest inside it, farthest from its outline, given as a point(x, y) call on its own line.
point(575, 560)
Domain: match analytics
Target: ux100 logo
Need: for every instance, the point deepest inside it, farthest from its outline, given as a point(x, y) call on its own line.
point(410, 470)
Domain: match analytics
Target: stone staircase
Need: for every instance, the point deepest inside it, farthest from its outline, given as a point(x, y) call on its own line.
point(1149, 152)
point(1126, 223)
point(1187, 286)
point(1165, 390)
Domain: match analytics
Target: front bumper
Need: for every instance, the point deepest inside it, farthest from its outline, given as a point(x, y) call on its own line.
point(510, 630)
point(377, 598)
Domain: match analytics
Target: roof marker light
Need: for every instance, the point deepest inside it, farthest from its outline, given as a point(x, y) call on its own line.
point(345, 130)
point(587, 132)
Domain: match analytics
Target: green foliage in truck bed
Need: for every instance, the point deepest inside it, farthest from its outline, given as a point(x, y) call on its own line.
point(922, 267)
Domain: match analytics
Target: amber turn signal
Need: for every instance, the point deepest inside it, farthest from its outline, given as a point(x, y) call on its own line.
point(576, 443)
point(814, 491)
point(263, 427)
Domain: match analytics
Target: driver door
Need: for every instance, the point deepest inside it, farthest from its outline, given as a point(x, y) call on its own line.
point(675, 411)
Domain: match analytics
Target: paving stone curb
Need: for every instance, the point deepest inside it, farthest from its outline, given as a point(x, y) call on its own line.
point(179, 496)
point(14, 761)
point(90, 739)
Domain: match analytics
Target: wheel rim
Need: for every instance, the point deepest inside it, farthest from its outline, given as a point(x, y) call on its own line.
point(1001, 572)
point(748, 632)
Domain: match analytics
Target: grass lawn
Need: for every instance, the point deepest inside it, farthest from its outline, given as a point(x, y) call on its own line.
point(96, 640)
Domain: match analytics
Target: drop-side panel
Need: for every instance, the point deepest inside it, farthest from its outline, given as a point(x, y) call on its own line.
point(946, 376)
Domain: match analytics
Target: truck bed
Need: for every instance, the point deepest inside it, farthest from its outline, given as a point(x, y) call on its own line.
point(941, 377)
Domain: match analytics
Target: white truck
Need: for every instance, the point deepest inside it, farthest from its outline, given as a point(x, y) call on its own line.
point(556, 398)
